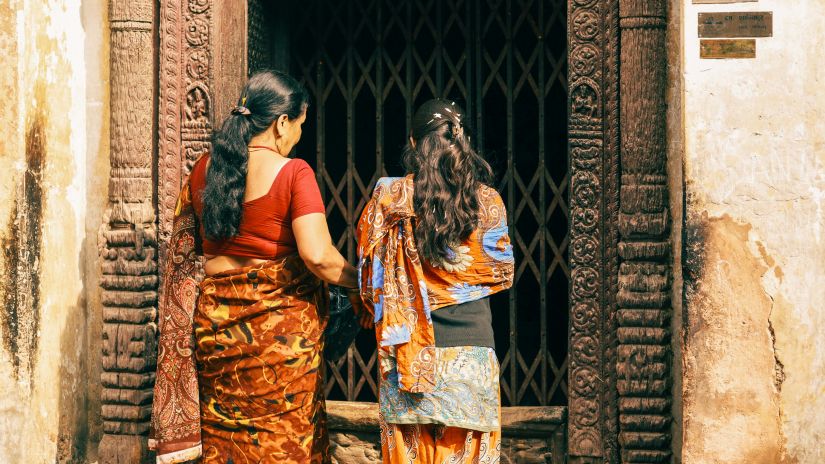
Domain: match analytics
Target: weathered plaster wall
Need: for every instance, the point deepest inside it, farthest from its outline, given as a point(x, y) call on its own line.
point(52, 192)
point(675, 156)
point(753, 256)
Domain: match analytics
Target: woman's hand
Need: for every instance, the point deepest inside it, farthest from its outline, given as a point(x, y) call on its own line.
point(365, 318)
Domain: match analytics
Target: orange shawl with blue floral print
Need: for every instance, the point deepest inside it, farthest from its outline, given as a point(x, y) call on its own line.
point(401, 289)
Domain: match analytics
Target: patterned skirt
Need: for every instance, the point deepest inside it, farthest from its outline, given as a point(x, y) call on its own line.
point(457, 423)
point(258, 339)
point(438, 444)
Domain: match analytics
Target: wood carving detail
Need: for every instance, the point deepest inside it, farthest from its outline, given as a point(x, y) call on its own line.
point(643, 374)
point(196, 123)
point(585, 438)
point(128, 238)
point(185, 113)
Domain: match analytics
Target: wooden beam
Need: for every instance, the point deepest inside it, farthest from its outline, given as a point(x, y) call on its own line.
point(230, 55)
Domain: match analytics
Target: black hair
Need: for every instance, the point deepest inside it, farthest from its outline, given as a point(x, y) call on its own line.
point(266, 96)
point(448, 173)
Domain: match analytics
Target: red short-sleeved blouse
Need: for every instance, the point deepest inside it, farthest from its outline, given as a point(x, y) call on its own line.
point(266, 221)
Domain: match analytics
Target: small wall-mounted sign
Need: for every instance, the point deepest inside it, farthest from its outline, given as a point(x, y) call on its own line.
point(723, 49)
point(736, 24)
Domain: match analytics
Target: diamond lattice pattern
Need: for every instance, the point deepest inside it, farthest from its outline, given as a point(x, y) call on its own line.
point(367, 64)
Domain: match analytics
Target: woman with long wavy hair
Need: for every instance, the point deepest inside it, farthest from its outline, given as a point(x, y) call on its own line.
point(433, 247)
point(239, 364)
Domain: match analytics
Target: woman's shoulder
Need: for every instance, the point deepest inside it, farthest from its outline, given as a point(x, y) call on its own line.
point(298, 168)
point(386, 185)
point(488, 194)
point(394, 195)
point(299, 163)
point(198, 172)
point(387, 181)
point(492, 211)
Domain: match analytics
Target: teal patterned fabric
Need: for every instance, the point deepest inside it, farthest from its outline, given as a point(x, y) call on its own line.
point(466, 392)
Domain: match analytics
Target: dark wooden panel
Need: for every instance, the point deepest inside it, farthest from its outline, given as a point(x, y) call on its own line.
point(230, 62)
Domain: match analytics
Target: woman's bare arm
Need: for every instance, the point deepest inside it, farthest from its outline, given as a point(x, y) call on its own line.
point(320, 255)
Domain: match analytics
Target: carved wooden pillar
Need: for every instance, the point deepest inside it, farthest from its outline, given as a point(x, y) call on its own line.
point(643, 370)
point(620, 248)
point(128, 239)
point(593, 147)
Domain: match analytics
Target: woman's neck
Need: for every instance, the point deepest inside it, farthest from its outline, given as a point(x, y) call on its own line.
point(265, 139)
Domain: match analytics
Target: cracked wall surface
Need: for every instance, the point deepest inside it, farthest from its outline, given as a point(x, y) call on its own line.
point(52, 193)
point(753, 256)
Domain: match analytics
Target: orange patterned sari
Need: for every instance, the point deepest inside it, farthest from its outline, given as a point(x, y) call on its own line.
point(402, 290)
point(239, 364)
point(437, 404)
point(258, 336)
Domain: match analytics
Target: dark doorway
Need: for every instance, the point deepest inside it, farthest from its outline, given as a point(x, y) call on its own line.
point(367, 64)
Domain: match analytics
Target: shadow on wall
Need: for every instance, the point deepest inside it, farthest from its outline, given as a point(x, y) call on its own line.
point(72, 406)
point(732, 374)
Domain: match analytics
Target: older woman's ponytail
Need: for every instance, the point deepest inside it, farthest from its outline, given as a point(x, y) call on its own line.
point(266, 96)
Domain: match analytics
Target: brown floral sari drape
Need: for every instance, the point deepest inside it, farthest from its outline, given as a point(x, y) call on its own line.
point(239, 362)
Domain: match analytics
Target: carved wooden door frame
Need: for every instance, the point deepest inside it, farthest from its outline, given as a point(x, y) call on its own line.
point(619, 353)
point(620, 376)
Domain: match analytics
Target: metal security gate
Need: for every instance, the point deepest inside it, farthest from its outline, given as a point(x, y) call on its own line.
point(367, 64)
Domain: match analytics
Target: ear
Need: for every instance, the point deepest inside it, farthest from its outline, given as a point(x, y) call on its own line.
point(281, 125)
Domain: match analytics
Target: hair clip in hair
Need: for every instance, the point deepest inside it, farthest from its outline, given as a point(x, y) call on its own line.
point(456, 130)
point(241, 110)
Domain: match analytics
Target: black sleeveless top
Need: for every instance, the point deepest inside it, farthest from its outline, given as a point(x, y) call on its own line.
point(465, 324)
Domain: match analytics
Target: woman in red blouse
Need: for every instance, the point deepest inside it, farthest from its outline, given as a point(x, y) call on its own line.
point(247, 386)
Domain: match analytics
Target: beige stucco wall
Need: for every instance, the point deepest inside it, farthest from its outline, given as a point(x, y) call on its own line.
point(53, 126)
point(753, 140)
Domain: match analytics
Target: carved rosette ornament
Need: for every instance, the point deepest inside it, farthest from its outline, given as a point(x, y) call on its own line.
point(128, 238)
point(587, 157)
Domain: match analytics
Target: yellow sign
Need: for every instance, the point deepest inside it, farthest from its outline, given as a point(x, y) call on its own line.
point(725, 49)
